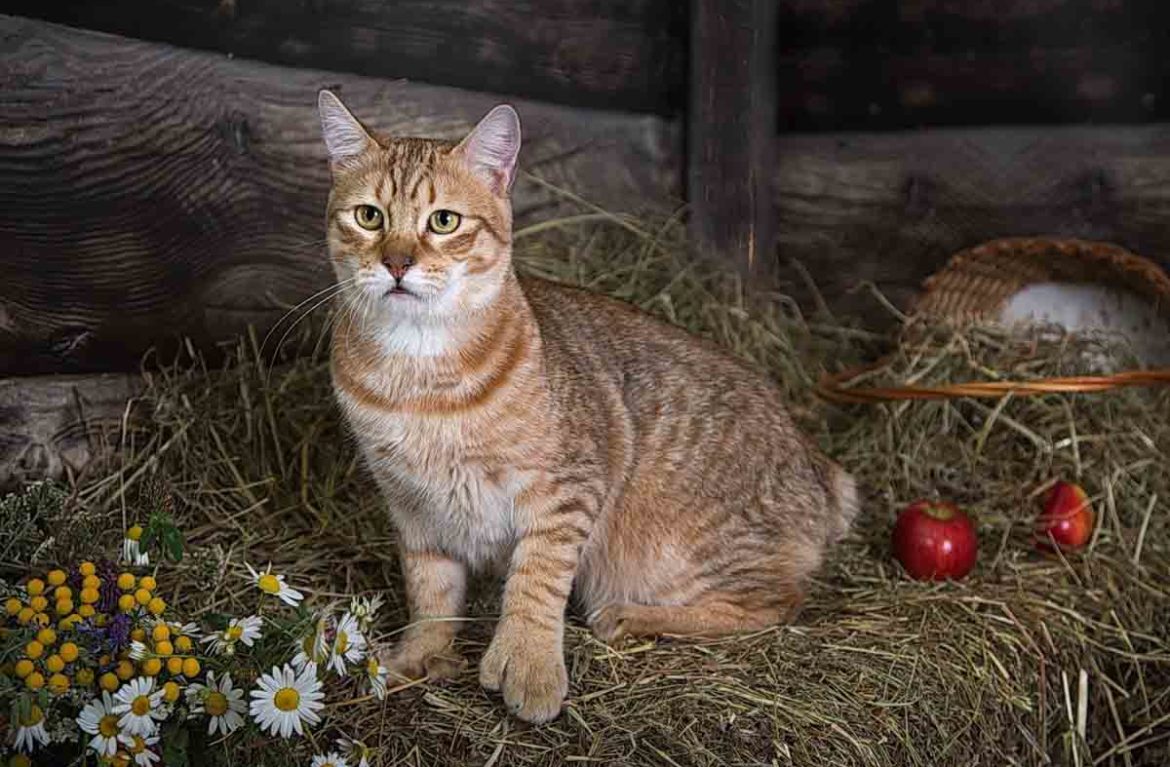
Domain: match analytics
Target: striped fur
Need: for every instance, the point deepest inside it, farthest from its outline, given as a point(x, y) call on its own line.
point(563, 439)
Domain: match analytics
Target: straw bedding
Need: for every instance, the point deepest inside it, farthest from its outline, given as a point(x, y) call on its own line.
point(1031, 660)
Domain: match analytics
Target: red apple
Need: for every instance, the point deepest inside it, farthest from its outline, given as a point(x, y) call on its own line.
point(1067, 518)
point(935, 540)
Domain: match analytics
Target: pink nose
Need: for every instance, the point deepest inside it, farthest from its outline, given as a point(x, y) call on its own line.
point(397, 265)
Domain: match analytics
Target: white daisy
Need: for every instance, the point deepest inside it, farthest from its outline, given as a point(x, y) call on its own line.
point(284, 699)
point(100, 721)
point(139, 706)
point(138, 650)
point(349, 645)
point(139, 749)
point(132, 553)
point(313, 647)
point(376, 675)
point(222, 704)
point(30, 730)
point(364, 609)
point(332, 759)
point(246, 630)
point(270, 583)
point(356, 752)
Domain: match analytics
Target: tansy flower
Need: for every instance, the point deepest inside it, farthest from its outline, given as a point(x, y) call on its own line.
point(30, 730)
point(349, 645)
point(100, 721)
point(376, 675)
point(139, 705)
point(284, 700)
point(333, 759)
point(139, 748)
point(273, 584)
point(356, 752)
point(222, 704)
point(246, 630)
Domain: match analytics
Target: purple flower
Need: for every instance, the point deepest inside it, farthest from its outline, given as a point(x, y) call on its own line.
point(118, 631)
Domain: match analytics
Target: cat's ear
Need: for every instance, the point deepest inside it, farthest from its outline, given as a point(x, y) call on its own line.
point(491, 148)
point(345, 137)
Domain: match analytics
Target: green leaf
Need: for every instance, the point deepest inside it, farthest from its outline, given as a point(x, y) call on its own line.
point(173, 542)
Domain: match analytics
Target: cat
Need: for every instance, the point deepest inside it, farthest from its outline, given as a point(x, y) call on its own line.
point(565, 439)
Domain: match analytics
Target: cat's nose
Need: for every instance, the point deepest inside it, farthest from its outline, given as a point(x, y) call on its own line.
point(397, 265)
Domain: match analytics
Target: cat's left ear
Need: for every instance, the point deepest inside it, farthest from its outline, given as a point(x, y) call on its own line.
point(491, 148)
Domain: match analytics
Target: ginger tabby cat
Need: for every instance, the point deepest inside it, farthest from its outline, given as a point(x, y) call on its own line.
point(565, 439)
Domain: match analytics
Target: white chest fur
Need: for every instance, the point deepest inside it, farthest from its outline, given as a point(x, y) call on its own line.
point(439, 495)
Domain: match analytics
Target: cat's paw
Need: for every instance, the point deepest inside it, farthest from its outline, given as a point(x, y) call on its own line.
point(412, 661)
point(611, 622)
point(528, 666)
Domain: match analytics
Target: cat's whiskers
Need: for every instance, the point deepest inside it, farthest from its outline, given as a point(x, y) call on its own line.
point(337, 286)
point(330, 292)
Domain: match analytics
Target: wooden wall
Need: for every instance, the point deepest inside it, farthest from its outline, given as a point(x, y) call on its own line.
point(840, 64)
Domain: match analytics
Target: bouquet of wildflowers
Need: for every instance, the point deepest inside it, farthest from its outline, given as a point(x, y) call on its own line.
point(97, 668)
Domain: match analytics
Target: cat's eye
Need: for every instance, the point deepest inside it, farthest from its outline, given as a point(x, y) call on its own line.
point(444, 221)
point(368, 217)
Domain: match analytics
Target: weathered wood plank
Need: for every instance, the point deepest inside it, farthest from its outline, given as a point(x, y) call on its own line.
point(730, 124)
point(891, 208)
point(617, 55)
point(54, 427)
point(843, 64)
point(876, 64)
point(148, 192)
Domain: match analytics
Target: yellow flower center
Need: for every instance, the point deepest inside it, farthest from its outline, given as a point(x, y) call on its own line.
point(140, 706)
point(268, 583)
point(34, 717)
point(139, 745)
point(216, 703)
point(372, 666)
point(234, 632)
point(108, 726)
point(287, 699)
point(342, 642)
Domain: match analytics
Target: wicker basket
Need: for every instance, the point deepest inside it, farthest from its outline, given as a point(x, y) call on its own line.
point(976, 285)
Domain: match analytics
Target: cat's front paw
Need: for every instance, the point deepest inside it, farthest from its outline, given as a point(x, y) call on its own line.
point(527, 664)
point(410, 661)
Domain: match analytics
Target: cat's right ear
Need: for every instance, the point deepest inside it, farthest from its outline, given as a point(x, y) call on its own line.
point(345, 137)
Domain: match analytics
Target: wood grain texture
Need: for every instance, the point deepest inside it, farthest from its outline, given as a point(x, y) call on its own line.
point(891, 208)
point(54, 427)
point(618, 55)
point(879, 64)
point(730, 124)
point(148, 192)
point(842, 64)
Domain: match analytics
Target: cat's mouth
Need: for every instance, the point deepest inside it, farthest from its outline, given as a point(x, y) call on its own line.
point(399, 292)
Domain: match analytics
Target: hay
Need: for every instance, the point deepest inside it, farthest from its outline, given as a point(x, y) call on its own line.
point(1032, 660)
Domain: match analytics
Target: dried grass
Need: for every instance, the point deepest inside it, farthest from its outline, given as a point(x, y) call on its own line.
point(1032, 660)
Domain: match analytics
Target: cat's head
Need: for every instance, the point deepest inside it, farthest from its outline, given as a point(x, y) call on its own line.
point(419, 227)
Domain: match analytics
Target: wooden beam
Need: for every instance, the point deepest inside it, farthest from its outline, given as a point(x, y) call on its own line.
point(730, 125)
point(626, 55)
point(149, 192)
point(56, 427)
